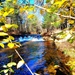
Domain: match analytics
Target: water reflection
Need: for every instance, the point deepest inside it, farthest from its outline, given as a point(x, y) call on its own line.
point(32, 53)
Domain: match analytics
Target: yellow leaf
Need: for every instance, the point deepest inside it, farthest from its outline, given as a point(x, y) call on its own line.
point(11, 37)
point(71, 21)
point(5, 8)
point(8, 25)
point(21, 9)
point(52, 1)
point(26, 7)
point(11, 10)
point(15, 25)
point(41, 11)
point(11, 25)
point(2, 19)
point(5, 14)
point(30, 16)
point(48, 10)
point(1, 28)
point(4, 28)
point(10, 45)
point(73, 4)
point(31, 8)
point(59, 3)
point(15, 1)
point(0, 3)
point(0, 13)
point(8, 0)
point(6, 70)
point(20, 63)
point(2, 45)
point(3, 34)
point(6, 40)
point(11, 64)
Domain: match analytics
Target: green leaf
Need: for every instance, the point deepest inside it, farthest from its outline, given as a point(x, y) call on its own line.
point(1, 71)
point(11, 64)
point(2, 45)
point(10, 56)
point(62, 35)
point(3, 34)
point(47, 1)
point(10, 45)
point(70, 40)
point(20, 63)
point(57, 23)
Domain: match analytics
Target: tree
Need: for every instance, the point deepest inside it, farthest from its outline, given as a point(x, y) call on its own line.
point(32, 24)
point(64, 9)
point(51, 21)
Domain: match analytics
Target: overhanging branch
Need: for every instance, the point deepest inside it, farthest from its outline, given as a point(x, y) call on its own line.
point(55, 13)
point(65, 16)
point(40, 7)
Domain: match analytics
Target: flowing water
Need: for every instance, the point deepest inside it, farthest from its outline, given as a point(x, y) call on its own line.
point(33, 54)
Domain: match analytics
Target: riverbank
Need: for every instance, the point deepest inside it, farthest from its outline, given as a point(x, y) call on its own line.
point(65, 55)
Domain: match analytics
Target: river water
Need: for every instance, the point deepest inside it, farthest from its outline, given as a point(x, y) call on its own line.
point(33, 54)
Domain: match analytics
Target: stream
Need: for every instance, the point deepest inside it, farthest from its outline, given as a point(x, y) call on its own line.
point(32, 51)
